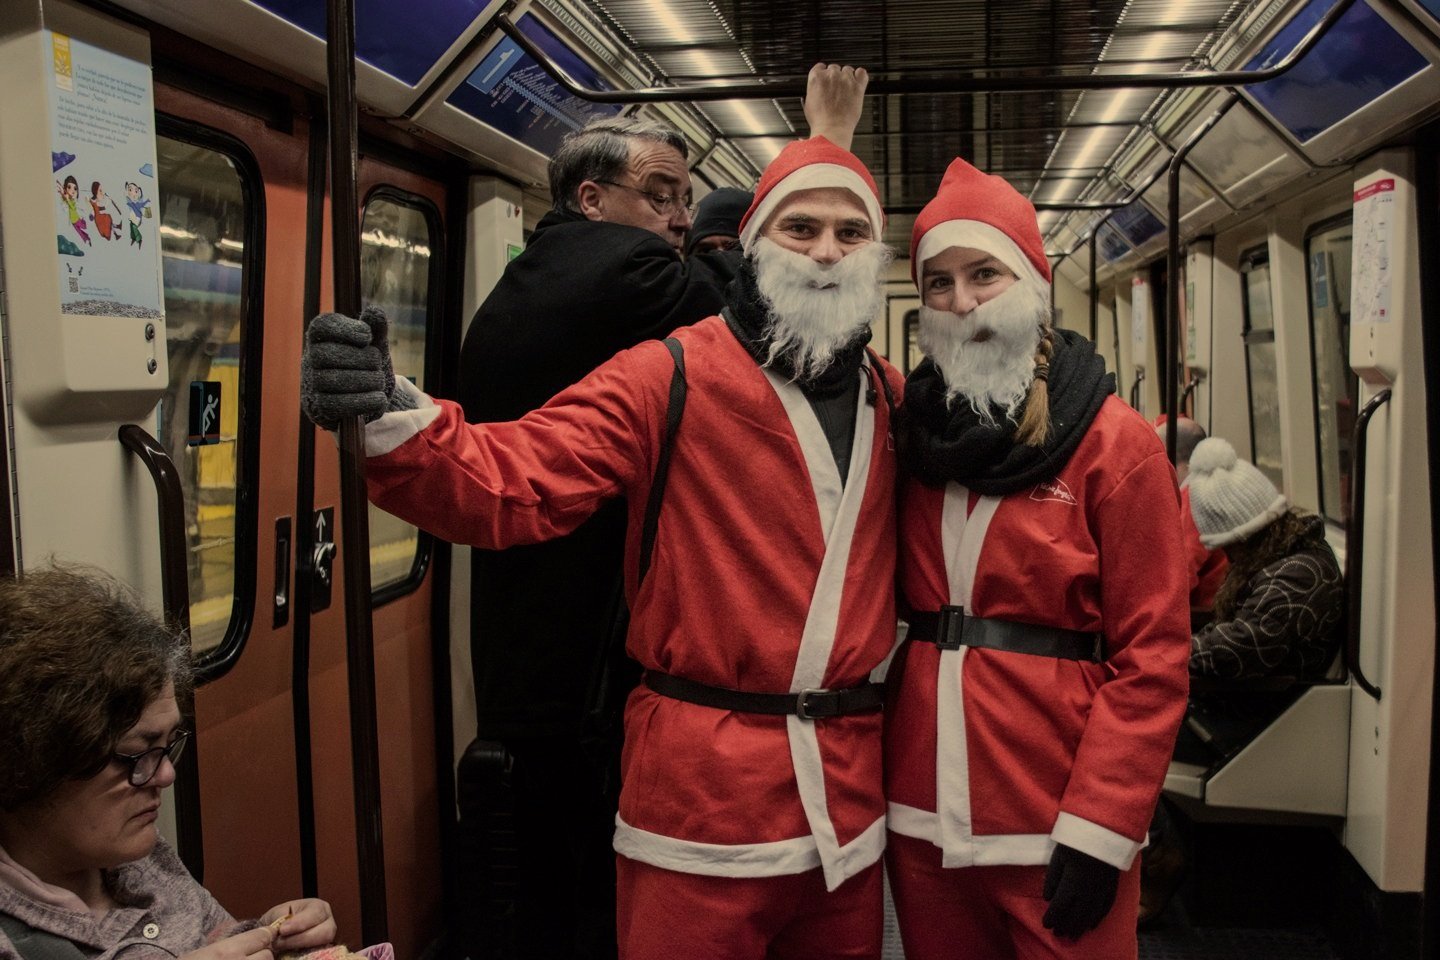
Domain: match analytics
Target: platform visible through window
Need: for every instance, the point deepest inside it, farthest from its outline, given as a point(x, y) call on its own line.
point(201, 229)
point(1261, 374)
point(397, 259)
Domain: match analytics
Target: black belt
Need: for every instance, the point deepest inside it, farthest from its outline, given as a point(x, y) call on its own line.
point(949, 628)
point(806, 704)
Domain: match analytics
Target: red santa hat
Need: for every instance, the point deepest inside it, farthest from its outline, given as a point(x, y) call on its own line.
point(810, 165)
point(983, 212)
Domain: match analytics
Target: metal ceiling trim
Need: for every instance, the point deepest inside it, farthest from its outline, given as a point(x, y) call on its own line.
point(987, 84)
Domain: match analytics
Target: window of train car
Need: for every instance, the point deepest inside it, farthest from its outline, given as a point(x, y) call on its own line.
point(1327, 274)
point(1260, 370)
point(207, 221)
point(399, 272)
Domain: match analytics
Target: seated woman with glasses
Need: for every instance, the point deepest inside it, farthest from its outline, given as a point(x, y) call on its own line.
point(90, 692)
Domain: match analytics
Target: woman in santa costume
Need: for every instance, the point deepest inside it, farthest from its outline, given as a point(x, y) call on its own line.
point(752, 815)
point(1044, 677)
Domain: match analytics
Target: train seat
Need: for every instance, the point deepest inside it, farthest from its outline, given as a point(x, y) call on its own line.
point(1296, 763)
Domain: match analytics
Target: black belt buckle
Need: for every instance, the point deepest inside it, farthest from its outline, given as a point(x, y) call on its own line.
point(950, 627)
point(827, 704)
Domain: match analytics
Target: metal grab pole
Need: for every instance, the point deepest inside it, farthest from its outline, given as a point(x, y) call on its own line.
point(1094, 292)
point(1171, 398)
point(354, 506)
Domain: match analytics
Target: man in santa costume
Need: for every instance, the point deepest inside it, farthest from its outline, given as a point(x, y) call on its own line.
point(752, 815)
point(1044, 675)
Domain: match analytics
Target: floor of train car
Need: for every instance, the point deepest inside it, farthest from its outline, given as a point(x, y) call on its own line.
point(1249, 893)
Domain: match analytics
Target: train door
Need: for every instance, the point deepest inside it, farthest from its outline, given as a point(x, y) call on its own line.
point(230, 220)
point(402, 254)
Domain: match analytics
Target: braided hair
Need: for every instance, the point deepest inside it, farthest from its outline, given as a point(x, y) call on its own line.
point(1034, 428)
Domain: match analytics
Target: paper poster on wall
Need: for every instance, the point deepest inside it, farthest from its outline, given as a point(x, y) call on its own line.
point(1139, 311)
point(102, 155)
point(1370, 265)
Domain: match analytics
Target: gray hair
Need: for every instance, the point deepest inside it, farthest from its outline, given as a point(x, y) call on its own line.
point(601, 151)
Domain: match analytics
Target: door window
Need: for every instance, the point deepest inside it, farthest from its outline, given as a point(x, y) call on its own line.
point(206, 217)
point(399, 240)
point(1327, 273)
point(1261, 375)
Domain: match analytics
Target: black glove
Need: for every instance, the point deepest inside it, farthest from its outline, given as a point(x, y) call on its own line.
point(345, 369)
point(1080, 890)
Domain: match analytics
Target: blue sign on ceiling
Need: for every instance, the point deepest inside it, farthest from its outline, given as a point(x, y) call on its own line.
point(512, 93)
point(404, 38)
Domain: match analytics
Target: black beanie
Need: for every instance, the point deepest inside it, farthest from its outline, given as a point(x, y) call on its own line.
point(719, 214)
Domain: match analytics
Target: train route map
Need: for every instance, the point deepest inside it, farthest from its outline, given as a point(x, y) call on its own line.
point(1374, 208)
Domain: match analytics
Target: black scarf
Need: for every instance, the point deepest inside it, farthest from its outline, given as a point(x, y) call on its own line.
point(948, 442)
point(748, 314)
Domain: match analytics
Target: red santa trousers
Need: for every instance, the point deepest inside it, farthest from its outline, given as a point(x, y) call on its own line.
point(994, 913)
point(663, 915)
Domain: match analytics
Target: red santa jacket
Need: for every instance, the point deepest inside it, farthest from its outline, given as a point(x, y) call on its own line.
point(1207, 567)
point(768, 575)
point(994, 756)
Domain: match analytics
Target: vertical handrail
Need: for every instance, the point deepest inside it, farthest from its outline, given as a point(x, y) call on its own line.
point(1355, 543)
point(1094, 290)
point(175, 597)
point(1135, 388)
point(1171, 401)
point(354, 505)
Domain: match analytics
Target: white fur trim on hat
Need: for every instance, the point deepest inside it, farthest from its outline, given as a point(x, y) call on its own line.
point(976, 235)
point(814, 176)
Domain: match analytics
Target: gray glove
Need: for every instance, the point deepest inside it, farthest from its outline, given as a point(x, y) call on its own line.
point(345, 370)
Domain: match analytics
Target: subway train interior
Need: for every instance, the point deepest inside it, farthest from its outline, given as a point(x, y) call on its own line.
point(1240, 200)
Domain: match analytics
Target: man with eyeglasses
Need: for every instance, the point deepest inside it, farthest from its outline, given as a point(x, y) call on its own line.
point(601, 273)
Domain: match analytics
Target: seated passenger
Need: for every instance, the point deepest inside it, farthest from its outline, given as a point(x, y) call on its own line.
point(90, 692)
point(1279, 610)
point(717, 221)
point(1207, 566)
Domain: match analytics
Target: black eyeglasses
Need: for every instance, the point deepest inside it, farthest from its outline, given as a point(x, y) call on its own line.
point(665, 204)
point(144, 765)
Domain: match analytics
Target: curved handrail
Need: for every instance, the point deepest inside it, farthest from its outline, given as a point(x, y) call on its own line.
point(1135, 388)
point(1355, 543)
point(174, 571)
point(1189, 391)
point(175, 597)
point(986, 83)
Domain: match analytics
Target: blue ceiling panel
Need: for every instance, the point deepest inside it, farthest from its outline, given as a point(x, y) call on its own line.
point(403, 38)
point(1358, 60)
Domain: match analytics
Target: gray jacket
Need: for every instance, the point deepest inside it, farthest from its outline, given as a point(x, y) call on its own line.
point(162, 913)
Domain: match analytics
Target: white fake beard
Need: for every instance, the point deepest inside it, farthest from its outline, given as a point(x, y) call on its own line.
point(996, 372)
point(816, 310)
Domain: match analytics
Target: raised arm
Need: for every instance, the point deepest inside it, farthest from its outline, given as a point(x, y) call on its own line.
point(834, 97)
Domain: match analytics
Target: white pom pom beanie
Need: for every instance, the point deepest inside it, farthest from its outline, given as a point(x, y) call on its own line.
point(1229, 498)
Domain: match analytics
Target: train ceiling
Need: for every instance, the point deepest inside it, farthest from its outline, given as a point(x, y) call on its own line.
point(1053, 146)
point(437, 68)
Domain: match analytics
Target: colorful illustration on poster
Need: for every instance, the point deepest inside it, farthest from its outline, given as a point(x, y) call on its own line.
point(102, 152)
